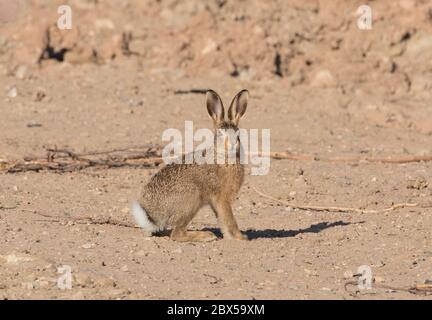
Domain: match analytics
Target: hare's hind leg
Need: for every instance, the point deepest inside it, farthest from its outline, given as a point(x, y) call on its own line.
point(227, 221)
point(180, 232)
point(183, 235)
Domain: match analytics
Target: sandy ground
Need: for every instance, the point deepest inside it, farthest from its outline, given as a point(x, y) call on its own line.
point(370, 97)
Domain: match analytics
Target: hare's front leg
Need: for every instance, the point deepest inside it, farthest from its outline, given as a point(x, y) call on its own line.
point(227, 221)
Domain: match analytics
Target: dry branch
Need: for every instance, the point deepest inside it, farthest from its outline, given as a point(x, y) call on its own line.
point(7, 208)
point(398, 159)
point(394, 159)
point(422, 289)
point(193, 91)
point(340, 209)
point(64, 160)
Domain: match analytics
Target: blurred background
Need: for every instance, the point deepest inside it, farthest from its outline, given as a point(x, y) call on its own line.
point(309, 51)
point(298, 42)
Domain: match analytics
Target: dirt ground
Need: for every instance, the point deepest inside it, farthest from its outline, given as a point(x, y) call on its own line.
point(323, 86)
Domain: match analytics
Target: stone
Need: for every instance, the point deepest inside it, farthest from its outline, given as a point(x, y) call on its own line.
point(323, 79)
point(12, 93)
point(21, 72)
point(87, 246)
point(104, 24)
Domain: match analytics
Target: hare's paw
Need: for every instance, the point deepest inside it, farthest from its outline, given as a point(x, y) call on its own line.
point(236, 236)
point(193, 236)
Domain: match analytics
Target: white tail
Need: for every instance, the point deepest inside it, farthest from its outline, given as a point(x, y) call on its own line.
point(141, 218)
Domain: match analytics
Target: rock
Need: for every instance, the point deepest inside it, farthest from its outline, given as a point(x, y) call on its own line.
point(12, 93)
point(124, 268)
point(88, 245)
point(104, 24)
point(209, 47)
point(21, 72)
point(323, 79)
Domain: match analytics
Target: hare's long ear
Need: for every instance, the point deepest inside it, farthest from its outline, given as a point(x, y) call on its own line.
point(238, 106)
point(215, 107)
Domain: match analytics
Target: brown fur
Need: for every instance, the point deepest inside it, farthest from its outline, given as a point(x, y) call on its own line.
point(174, 195)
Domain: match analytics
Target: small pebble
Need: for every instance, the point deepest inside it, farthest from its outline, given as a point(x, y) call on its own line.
point(12, 93)
point(87, 246)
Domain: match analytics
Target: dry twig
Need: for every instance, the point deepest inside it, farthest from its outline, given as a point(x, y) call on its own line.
point(422, 289)
point(7, 208)
point(64, 160)
point(338, 209)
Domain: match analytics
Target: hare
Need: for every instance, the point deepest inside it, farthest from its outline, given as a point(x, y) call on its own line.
point(174, 195)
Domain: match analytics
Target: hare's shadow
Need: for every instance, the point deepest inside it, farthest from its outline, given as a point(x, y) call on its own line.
point(272, 233)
